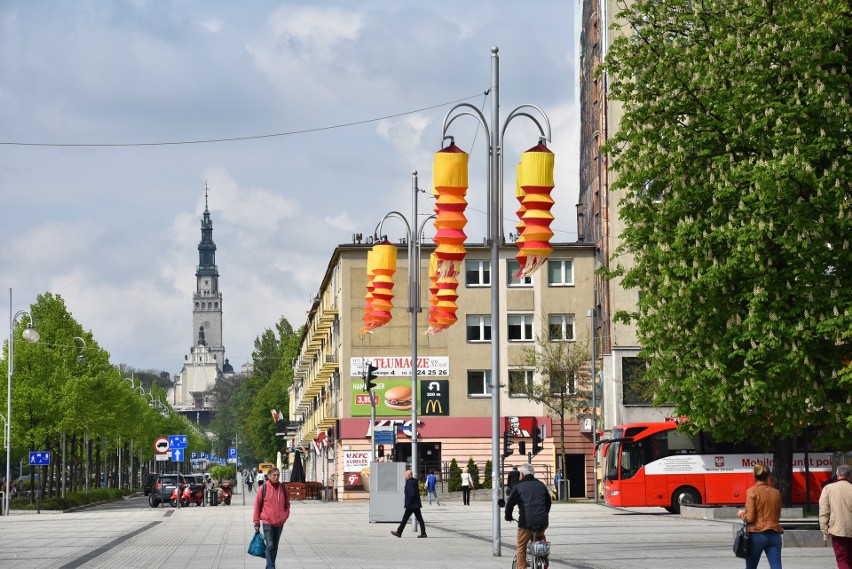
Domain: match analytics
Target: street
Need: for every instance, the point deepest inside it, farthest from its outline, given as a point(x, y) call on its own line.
point(339, 535)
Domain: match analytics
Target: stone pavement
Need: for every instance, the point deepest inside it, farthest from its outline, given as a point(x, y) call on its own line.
point(339, 535)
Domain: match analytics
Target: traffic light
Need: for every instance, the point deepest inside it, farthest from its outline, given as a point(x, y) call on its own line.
point(507, 444)
point(371, 376)
point(522, 448)
point(537, 442)
point(381, 451)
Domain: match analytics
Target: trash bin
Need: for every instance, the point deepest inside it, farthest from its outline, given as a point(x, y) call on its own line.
point(214, 498)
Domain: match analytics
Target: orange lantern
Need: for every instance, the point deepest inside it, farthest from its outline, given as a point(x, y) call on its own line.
point(449, 173)
point(368, 298)
point(522, 255)
point(433, 292)
point(445, 313)
point(384, 267)
point(536, 181)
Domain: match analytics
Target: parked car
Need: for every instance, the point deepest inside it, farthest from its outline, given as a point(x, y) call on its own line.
point(162, 488)
point(148, 482)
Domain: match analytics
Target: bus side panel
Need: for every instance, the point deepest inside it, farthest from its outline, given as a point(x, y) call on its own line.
point(728, 488)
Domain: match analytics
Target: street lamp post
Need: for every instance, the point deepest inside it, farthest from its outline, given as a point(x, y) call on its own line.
point(591, 314)
point(495, 224)
point(30, 335)
point(414, 234)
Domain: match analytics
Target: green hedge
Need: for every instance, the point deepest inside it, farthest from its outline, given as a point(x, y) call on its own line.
point(71, 499)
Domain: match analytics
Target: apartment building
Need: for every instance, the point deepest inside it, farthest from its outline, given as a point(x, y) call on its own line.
point(332, 410)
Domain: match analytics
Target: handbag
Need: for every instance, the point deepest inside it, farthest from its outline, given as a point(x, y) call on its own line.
point(257, 547)
point(742, 543)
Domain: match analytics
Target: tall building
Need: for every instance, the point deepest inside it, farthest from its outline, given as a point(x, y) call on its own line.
point(206, 361)
point(599, 223)
point(330, 410)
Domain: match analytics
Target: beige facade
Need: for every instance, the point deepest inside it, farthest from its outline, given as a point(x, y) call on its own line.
point(327, 395)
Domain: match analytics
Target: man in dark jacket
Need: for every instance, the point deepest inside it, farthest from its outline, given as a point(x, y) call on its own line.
point(412, 505)
point(533, 501)
point(512, 478)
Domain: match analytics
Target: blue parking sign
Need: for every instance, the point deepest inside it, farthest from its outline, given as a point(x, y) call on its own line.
point(232, 452)
point(193, 455)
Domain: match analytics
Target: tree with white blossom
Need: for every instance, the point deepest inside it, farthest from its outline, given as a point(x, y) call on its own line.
point(733, 170)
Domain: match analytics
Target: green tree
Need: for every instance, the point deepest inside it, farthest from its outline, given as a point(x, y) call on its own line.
point(454, 484)
point(733, 165)
point(561, 365)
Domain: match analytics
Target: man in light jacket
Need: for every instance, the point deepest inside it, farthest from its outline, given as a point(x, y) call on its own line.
point(271, 508)
point(835, 515)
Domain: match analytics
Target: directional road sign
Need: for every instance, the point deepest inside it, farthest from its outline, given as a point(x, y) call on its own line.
point(161, 445)
point(40, 458)
point(177, 441)
point(232, 452)
point(177, 454)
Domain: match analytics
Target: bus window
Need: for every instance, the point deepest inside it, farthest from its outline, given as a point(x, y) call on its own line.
point(612, 461)
point(631, 459)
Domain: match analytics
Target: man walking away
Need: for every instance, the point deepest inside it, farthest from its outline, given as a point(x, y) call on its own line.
point(431, 482)
point(533, 501)
point(412, 505)
point(835, 515)
point(271, 508)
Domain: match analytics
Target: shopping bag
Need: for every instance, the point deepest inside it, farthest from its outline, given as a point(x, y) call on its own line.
point(741, 542)
point(257, 547)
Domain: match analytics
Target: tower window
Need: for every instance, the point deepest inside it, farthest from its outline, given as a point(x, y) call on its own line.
point(215, 305)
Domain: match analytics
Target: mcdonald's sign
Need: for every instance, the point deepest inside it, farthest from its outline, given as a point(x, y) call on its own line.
point(435, 397)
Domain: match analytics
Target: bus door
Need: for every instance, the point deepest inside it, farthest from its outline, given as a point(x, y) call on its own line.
point(631, 475)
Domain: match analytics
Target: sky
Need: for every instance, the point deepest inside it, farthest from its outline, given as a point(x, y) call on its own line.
point(105, 106)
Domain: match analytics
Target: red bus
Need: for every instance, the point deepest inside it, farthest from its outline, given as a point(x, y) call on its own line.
point(653, 464)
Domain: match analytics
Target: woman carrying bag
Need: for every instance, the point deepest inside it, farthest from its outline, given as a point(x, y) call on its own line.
point(762, 513)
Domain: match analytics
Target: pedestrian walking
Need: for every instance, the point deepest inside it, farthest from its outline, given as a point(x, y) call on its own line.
point(762, 513)
point(271, 510)
point(412, 505)
point(249, 480)
point(431, 490)
point(835, 515)
point(557, 479)
point(533, 502)
point(467, 484)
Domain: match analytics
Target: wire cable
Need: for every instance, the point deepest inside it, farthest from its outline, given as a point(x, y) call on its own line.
point(233, 138)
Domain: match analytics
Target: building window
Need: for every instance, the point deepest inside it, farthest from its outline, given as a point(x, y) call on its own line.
point(478, 328)
point(512, 267)
point(636, 389)
point(560, 272)
point(478, 383)
point(477, 273)
point(560, 327)
point(521, 328)
point(520, 382)
point(563, 383)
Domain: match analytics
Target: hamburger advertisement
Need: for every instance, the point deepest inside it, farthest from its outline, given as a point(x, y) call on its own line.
point(393, 397)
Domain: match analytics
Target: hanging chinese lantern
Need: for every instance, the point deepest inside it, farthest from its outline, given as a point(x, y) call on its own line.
point(368, 298)
point(445, 313)
point(536, 181)
point(433, 293)
point(522, 255)
point(449, 173)
point(384, 267)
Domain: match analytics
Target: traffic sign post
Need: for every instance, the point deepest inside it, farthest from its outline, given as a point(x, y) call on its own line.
point(177, 441)
point(161, 445)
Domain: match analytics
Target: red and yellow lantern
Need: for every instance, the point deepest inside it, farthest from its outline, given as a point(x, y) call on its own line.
point(384, 267)
point(449, 174)
point(368, 298)
point(536, 181)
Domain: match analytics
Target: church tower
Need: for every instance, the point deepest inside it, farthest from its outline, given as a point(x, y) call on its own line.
point(191, 394)
point(207, 299)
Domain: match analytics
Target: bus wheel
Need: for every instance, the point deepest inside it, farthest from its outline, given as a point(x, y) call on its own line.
point(684, 496)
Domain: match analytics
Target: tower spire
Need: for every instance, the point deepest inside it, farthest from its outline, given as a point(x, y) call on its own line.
point(205, 197)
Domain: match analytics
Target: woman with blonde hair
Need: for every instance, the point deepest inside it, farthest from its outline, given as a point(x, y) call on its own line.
point(466, 484)
point(763, 514)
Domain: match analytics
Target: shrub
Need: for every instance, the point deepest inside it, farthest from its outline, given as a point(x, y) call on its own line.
point(474, 473)
point(486, 482)
point(454, 484)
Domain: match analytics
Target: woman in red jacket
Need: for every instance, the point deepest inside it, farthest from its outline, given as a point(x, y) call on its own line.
point(271, 508)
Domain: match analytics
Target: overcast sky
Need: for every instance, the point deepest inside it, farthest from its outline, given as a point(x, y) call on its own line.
point(114, 230)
